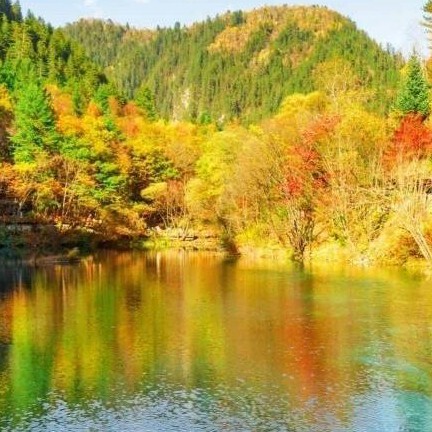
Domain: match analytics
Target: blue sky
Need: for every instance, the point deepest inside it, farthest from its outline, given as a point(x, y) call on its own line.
point(388, 21)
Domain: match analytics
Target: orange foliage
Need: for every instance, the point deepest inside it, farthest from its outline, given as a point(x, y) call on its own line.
point(130, 109)
point(412, 139)
point(130, 121)
point(93, 110)
point(70, 125)
point(114, 106)
point(304, 173)
point(320, 128)
point(305, 170)
point(124, 159)
point(8, 176)
point(130, 126)
point(62, 104)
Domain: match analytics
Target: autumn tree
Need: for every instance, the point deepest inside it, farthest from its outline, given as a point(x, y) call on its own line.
point(6, 118)
point(206, 191)
point(407, 160)
point(278, 177)
point(338, 80)
point(352, 157)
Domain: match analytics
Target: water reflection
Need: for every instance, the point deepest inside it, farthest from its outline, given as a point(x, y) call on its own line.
point(177, 341)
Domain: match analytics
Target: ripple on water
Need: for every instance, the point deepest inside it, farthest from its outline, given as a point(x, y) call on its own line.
point(178, 409)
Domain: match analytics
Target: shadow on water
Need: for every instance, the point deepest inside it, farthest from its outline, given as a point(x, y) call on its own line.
point(15, 276)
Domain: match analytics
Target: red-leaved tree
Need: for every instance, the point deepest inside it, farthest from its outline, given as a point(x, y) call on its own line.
point(411, 140)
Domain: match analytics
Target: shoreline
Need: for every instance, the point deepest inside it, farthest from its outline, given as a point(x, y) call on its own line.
point(71, 251)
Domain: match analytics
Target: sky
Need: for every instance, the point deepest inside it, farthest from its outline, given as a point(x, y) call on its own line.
point(395, 22)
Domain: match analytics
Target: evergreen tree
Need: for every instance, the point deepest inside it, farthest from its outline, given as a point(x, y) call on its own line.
point(413, 97)
point(145, 100)
point(102, 96)
point(34, 124)
point(6, 8)
point(16, 12)
point(205, 118)
point(237, 18)
point(77, 100)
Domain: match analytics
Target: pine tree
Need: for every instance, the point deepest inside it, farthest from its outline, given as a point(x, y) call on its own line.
point(34, 124)
point(145, 100)
point(413, 97)
point(16, 12)
point(6, 8)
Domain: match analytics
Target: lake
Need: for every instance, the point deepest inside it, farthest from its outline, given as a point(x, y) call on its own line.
point(178, 341)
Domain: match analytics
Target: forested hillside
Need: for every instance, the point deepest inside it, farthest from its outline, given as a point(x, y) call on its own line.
point(240, 65)
point(33, 52)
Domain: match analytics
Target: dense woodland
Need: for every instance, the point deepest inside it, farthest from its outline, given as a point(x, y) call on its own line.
point(239, 65)
point(94, 146)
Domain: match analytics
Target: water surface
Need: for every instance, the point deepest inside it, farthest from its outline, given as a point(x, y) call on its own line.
point(191, 342)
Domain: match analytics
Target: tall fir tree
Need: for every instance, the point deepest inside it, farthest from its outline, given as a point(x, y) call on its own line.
point(16, 12)
point(6, 8)
point(413, 96)
point(145, 100)
point(34, 124)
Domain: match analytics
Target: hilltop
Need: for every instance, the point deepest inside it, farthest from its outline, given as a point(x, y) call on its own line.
point(240, 65)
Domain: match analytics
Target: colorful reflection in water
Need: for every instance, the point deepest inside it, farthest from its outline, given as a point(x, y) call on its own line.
point(190, 342)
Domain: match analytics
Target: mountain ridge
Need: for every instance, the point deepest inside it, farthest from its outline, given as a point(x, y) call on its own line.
point(239, 65)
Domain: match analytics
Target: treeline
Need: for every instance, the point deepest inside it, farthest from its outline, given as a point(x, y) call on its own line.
point(240, 65)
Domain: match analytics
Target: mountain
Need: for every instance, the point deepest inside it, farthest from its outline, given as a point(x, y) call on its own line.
point(240, 65)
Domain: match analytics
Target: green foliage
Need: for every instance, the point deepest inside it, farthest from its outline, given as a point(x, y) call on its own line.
point(29, 46)
point(237, 66)
point(109, 180)
point(205, 118)
point(103, 95)
point(12, 11)
point(413, 96)
point(145, 100)
point(34, 124)
point(237, 18)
